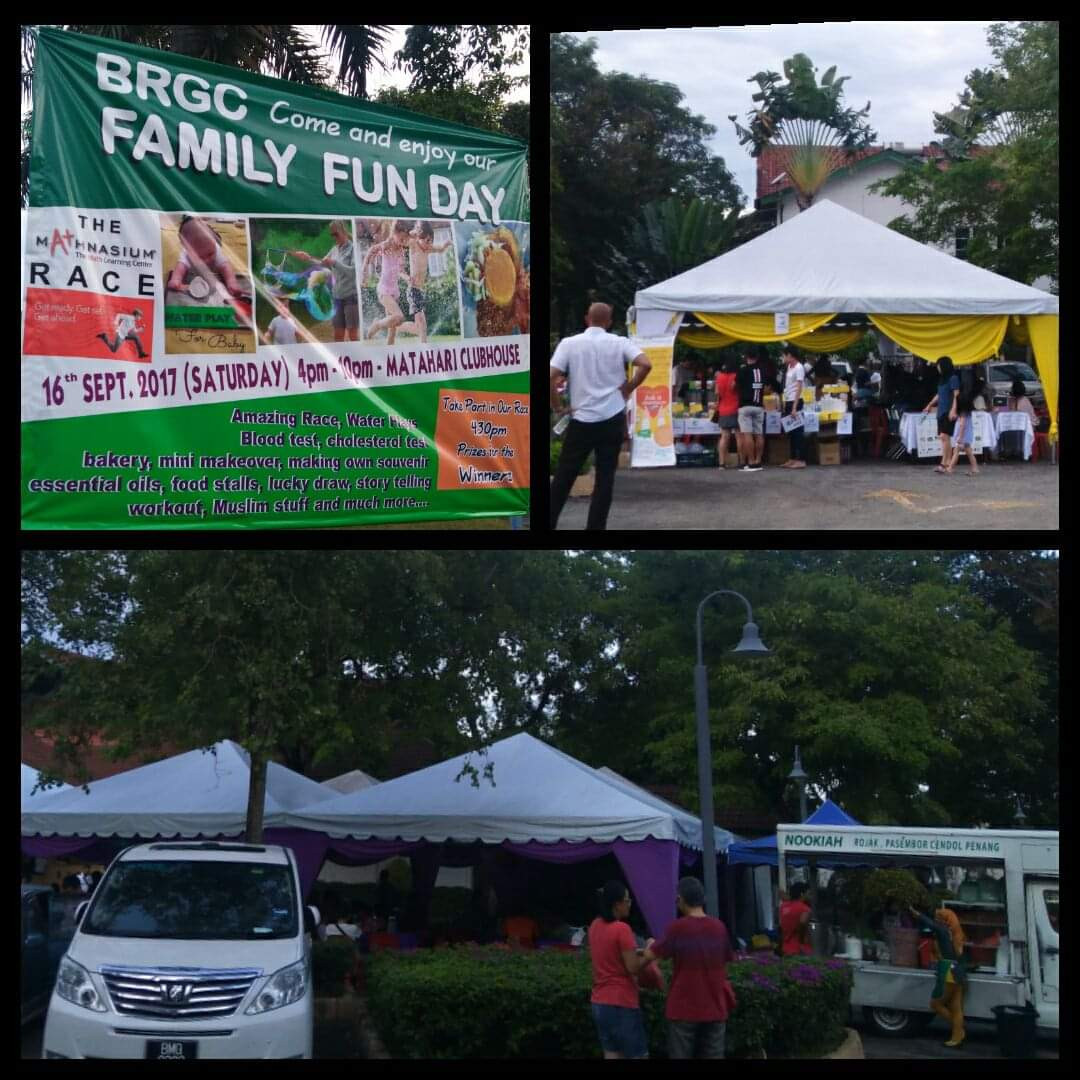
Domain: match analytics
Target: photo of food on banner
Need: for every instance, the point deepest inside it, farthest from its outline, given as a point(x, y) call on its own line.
point(305, 280)
point(408, 281)
point(207, 285)
point(495, 277)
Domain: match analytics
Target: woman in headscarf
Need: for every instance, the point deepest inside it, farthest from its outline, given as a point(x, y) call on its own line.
point(947, 998)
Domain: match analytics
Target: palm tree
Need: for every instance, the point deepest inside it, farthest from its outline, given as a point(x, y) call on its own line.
point(804, 121)
point(279, 50)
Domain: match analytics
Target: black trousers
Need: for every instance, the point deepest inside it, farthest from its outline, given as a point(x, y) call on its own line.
point(796, 434)
point(606, 438)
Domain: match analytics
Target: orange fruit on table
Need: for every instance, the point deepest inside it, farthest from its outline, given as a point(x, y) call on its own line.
point(500, 277)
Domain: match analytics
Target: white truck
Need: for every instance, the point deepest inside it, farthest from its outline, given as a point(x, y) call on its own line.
point(1017, 906)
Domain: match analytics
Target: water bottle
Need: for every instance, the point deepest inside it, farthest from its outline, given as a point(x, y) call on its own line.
point(562, 425)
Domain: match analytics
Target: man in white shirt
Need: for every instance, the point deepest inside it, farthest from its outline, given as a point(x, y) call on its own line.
point(594, 363)
point(794, 381)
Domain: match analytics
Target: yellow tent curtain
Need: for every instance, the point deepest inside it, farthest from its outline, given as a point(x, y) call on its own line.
point(824, 341)
point(1043, 330)
point(1018, 332)
point(761, 327)
point(967, 339)
point(704, 339)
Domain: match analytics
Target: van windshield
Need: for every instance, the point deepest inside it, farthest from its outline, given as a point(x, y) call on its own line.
point(196, 900)
point(1008, 372)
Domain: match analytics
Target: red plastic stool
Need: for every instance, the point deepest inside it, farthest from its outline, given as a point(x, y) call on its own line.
point(1041, 447)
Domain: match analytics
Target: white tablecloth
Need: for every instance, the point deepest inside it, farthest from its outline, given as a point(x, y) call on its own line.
point(1016, 421)
point(984, 429)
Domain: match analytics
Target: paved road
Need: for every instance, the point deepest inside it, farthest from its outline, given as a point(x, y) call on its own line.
point(32, 1034)
point(862, 495)
point(981, 1042)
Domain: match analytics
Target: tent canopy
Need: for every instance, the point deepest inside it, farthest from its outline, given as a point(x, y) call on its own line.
point(29, 779)
point(539, 794)
point(762, 852)
point(687, 826)
point(355, 780)
point(188, 795)
point(828, 259)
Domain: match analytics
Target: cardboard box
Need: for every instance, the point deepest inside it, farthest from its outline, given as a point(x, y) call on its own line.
point(777, 449)
point(828, 452)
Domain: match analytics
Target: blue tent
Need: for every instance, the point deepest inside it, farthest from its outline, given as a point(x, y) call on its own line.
point(763, 852)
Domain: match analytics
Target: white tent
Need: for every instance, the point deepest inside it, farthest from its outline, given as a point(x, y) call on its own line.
point(539, 794)
point(355, 780)
point(29, 779)
point(828, 259)
point(191, 794)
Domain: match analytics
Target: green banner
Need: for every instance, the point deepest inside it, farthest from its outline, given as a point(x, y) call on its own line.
point(249, 303)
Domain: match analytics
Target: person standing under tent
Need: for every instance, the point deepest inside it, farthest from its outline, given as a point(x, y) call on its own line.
point(795, 923)
point(701, 997)
point(594, 363)
point(945, 400)
point(750, 381)
point(615, 963)
point(794, 381)
point(727, 406)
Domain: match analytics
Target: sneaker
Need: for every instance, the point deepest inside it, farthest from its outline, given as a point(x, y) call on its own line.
point(745, 468)
point(751, 468)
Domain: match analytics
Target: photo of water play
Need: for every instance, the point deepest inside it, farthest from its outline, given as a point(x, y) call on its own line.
point(306, 280)
point(206, 283)
point(495, 278)
point(408, 280)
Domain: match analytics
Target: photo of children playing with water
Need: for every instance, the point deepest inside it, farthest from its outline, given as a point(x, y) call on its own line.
point(306, 275)
point(408, 280)
point(208, 289)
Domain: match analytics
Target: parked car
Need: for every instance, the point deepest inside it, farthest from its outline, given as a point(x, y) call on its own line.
point(1000, 374)
point(47, 928)
point(197, 949)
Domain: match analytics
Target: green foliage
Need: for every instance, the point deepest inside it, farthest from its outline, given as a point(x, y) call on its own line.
point(445, 57)
point(618, 142)
point(331, 961)
point(466, 1002)
point(1000, 179)
point(475, 106)
point(882, 886)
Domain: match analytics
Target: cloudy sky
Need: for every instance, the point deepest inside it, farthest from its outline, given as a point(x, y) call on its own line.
point(907, 70)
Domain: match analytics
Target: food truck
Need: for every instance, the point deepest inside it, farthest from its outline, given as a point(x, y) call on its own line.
point(1004, 890)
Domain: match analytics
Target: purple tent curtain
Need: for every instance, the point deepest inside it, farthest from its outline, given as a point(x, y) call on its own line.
point(57, 847)
point(651, 868)
point(308, 847)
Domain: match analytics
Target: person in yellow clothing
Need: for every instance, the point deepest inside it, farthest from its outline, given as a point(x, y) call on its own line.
point(947, 999)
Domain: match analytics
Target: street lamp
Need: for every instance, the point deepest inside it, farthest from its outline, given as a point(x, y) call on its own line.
point(1019, 816)
point(750, 646)
point(799, 777)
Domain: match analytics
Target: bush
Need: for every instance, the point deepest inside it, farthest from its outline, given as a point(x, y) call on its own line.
point(331, 961)
point(469, 1002)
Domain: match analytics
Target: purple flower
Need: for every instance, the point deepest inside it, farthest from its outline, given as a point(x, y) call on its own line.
point(763, 982)
point(836, 965)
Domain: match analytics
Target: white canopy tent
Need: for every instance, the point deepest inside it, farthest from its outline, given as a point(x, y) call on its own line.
point(191, 794)
point(354, 780)
point(29, 780)
point(827, 262)
point(543, 804)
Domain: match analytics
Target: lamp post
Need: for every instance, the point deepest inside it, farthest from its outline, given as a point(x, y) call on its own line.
point(750, 646)
point(798, 776)
point(1019, 817)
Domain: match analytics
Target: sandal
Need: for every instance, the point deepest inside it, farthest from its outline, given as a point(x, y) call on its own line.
point(940, 468)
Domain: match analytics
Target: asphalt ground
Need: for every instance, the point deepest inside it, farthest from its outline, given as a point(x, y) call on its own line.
point(862, 495)
point(981, 1042)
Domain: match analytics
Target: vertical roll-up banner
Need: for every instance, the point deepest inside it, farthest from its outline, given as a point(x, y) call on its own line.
point(249, 303)
point(652, 439)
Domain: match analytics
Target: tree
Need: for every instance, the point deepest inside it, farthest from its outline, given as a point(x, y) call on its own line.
point(666, 238)
point(806, 123)
point(619, 142)
point(998, 177)
point(478, 107)
point(447, 57)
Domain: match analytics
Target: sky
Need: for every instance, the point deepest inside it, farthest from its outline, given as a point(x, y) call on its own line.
point(907, 70)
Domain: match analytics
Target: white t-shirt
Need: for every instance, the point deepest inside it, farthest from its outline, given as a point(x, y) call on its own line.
point(595, 365)
point(795, 374)
point(125, 324)
point(348, 929)
point(282, 330)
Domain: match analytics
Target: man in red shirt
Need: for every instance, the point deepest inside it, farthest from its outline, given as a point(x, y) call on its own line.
point(795, 923)
point(701, 997)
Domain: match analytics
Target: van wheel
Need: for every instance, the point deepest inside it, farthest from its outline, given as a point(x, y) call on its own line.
point(896, 1023)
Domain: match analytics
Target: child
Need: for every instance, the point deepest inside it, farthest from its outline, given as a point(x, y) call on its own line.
point(200, 252)
point(125, 326)
point(421, 244)
point(964, 437)
point(392, 253)
point(282, 330)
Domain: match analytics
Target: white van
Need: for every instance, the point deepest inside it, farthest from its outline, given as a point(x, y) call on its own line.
point(198, 949)
point(1015, 907)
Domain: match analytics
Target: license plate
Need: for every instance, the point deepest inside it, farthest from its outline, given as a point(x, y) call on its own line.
point(171, 1050)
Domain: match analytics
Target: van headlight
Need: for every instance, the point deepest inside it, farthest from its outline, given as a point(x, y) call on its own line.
point(73, 983)
point(282, 988)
